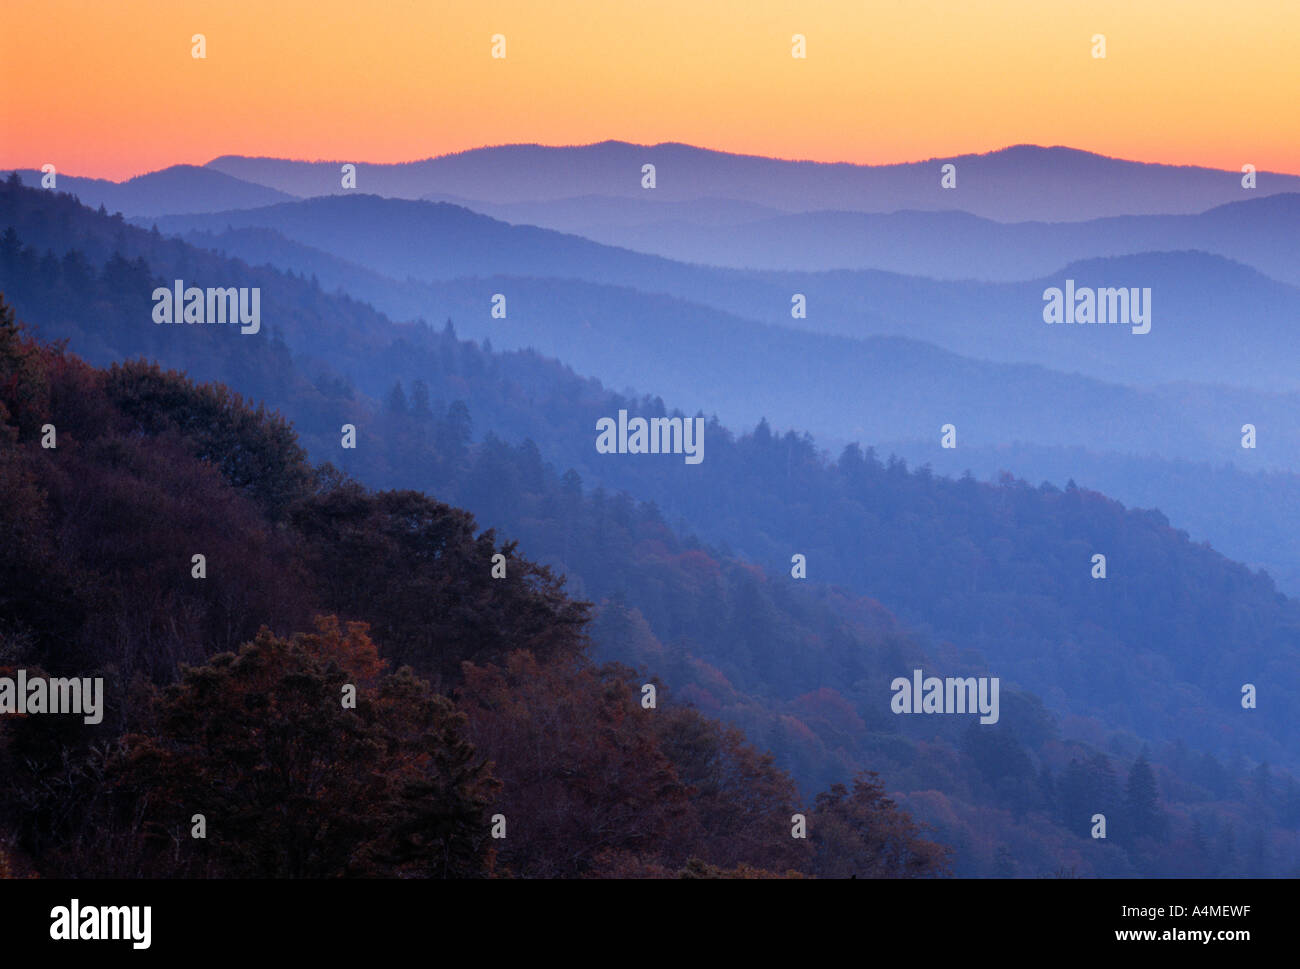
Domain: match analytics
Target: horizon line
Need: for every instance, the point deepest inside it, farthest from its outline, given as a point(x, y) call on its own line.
point(665, 144)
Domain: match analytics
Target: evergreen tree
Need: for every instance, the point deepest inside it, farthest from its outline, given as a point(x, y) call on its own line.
point(1142, 801)
point(420, 408)
point(396, 401)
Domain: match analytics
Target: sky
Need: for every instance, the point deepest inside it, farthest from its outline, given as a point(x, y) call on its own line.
point(111, 90)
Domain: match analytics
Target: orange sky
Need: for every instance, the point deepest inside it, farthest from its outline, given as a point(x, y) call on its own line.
point(110, 89)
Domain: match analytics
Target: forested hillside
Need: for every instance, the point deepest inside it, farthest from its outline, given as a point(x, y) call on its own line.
point(476, 703)
point(986, 578)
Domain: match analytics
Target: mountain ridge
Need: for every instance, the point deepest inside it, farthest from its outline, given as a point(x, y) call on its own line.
point(999, 187)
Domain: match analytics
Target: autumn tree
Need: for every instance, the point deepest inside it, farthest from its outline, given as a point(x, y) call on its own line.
point(583, 775)
point(415, 567)
point(294, 783)
point(742, 800)
point(24, 383)
point(862, 832)
point(255, 449)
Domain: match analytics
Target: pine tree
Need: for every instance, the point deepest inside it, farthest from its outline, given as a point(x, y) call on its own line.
point(396, 402)
point(420, 408)
point(1142, 801)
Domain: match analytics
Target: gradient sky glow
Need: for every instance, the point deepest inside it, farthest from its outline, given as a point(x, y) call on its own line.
point(110, 89)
